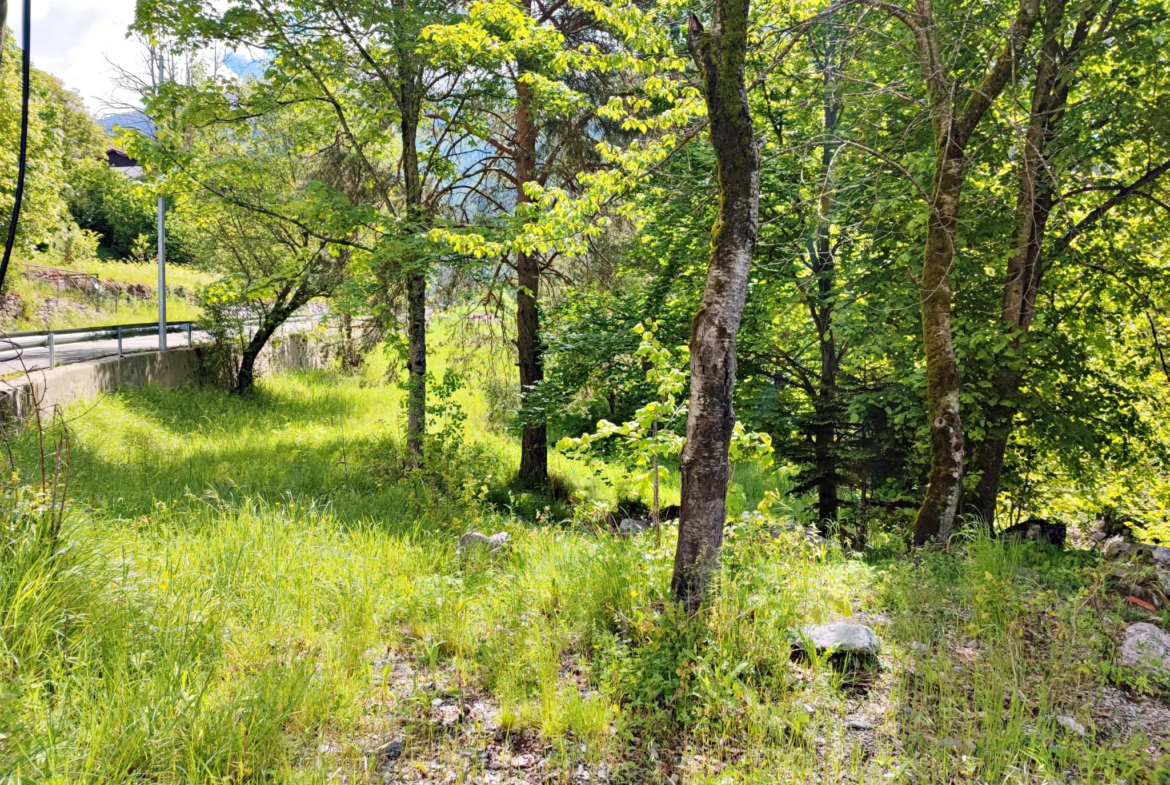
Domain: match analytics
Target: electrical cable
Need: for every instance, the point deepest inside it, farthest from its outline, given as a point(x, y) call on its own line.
point(27, 31)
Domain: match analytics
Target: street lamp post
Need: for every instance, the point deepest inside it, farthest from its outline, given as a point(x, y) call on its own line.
point(162, 249)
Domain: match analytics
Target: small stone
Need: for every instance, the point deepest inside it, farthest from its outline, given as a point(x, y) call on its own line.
point(1162, 555)
point(1070, 724)
point(919, 648)
point(494, 544)
point(1115, 548)
point(858, 723)
point(811, 709)
point(390, 751)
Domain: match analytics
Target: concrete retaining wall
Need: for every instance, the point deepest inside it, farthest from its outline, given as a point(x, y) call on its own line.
point(68, 383)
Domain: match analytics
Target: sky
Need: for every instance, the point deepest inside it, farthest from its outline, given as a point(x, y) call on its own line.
point(74, 39)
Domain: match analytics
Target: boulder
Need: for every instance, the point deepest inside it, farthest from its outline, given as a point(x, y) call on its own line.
point(494, 544)
point(1039, 530)
point(1146, 646)
point(842, 642)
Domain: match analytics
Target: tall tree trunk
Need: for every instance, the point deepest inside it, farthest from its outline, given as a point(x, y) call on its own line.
point(416, 279)
point(720, 55)
point(952, 131)
point(1056, 70)
point(534, 441)
point(936, 517)
point(824, 273)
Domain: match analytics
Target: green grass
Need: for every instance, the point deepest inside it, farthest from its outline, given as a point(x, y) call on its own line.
point(258, 590)
point(75, 312)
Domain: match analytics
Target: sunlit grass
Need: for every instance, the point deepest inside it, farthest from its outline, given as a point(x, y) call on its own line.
point(237, 570)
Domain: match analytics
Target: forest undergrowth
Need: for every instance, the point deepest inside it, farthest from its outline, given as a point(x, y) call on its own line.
point(260, 590)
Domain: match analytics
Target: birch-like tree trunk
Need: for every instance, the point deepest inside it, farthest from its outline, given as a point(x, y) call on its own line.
point(720, 54)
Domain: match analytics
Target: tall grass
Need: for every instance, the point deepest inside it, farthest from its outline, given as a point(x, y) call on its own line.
point(237, 578)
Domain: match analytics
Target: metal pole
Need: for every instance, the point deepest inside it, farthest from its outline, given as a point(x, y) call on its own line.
point(162, 249)
point(119, 340)
point(188, 333)
point(52, 351)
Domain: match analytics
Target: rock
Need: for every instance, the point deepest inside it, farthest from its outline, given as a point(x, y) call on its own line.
point(1039, 530)
point(389, 751)
point(858, 723)
point(631, 527)
point(1162, 556)
point(1115, 548)
point(919, 648)
point(1146, 646)
point(494, 544)
point(843, 642)
point(1070, 724)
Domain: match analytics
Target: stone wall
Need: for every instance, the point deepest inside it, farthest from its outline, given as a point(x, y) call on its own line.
point(68, 383)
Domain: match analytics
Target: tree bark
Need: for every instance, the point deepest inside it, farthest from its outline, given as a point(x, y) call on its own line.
point(416, 279)
point(720, 56)
point(408, 94)
point(534, 440)
point(824, 273)
point(246, 375)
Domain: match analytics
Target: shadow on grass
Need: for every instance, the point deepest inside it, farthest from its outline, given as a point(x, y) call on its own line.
point(307, 439)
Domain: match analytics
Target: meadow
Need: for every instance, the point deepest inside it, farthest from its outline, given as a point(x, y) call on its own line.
point(247, 590)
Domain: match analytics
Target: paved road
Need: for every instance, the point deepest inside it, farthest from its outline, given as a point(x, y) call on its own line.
point(16, 361)
point(38, 357)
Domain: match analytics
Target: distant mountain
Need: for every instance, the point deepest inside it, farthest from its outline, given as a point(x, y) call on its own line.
point(127, 120)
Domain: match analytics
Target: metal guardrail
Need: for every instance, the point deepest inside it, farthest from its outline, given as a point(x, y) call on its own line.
point(19, 340)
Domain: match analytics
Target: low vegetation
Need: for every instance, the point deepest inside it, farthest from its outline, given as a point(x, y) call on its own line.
point(260, 589)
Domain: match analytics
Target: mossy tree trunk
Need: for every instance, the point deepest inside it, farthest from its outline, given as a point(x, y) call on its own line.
point(720, 54)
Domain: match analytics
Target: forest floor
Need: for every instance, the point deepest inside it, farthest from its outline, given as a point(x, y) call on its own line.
point(260, 590)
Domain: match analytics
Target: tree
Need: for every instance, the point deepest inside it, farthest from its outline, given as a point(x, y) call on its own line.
point(955, 113)
point(275, 212)
point(720, 54)
point(1068, 47)
point(363, 62)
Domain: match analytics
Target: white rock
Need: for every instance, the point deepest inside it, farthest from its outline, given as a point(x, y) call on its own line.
point(843, 638)
point(1070, 724)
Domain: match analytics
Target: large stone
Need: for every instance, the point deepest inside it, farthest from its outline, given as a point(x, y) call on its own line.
point(632, 526)
point(495, 543)
point(843, 641)
point(1146, 646)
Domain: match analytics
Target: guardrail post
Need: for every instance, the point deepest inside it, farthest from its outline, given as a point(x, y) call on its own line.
point(119, 340)
point(52, 351)
point(188, 333)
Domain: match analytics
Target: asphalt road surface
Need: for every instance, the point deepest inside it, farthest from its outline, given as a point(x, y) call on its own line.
point(15, 361)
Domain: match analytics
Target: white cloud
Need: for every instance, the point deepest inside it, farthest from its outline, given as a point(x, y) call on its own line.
point(76, 40)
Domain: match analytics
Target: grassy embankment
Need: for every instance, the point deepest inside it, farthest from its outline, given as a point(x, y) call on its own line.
point(258, 590)
point(43, 307)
